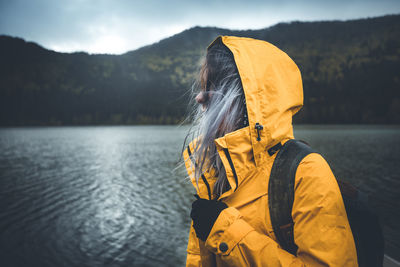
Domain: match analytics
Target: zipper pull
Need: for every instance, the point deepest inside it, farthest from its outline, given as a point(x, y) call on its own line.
point(259, 127)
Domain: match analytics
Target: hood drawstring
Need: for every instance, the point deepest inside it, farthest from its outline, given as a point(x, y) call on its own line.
point(258, 127)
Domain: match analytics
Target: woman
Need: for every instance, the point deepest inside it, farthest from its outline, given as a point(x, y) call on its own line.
point(249, 91)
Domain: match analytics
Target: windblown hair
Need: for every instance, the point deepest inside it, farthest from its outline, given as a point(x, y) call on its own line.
point(223, 111)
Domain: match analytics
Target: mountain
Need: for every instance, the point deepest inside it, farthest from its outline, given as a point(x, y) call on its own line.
point(350, 74)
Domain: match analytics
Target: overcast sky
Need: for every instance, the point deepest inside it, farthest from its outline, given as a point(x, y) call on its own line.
point(117, 26)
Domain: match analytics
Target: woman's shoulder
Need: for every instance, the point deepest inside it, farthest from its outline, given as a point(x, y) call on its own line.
point(314, 165)
point(314, 178)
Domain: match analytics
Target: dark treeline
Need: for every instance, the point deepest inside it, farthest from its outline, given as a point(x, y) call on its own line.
point(351, 74)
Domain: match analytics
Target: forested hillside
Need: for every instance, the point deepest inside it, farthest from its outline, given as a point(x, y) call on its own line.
point(351, 74)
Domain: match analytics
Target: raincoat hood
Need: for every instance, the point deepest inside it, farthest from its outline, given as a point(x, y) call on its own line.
point(273, 90)
point(274, 93)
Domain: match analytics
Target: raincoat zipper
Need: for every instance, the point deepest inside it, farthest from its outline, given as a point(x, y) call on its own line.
point(202, 176)
point(232, 167)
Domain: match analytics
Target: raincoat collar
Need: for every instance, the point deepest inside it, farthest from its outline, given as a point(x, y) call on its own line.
point(236, 154)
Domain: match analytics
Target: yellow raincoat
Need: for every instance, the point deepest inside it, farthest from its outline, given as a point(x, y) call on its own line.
point(242, 234)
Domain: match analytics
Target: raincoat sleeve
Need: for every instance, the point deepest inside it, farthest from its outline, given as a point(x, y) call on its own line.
point(321, 229)
point(193, 250)
point(197, 254)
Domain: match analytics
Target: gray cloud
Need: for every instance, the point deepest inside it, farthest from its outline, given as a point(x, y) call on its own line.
point(118, 26)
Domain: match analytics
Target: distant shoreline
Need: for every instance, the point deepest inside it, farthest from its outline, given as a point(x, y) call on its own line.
point(296, 126)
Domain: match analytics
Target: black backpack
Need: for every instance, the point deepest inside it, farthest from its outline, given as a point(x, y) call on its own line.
point(364, 223)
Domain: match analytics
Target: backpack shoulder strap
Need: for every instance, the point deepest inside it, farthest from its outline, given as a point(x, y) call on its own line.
point(281, 191)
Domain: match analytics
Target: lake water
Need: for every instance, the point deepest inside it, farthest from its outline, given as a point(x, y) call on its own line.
point(108, 196)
